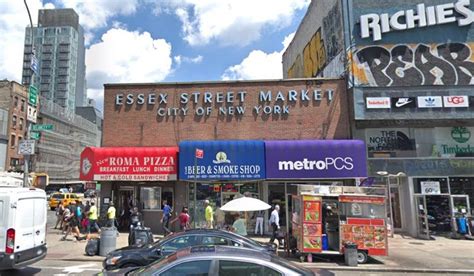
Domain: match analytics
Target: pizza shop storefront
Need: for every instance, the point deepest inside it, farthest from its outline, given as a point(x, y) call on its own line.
point(134, 176)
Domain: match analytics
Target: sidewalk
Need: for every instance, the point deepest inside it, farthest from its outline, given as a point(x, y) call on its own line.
point(406, 254)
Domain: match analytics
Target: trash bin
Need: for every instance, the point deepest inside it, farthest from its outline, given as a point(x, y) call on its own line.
point(350, 254)
point(108, 240)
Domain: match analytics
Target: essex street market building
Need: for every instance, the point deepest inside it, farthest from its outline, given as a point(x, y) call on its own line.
point(410, 72)
point(170, 115)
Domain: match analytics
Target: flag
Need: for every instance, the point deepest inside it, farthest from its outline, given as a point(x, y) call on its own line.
point(199, 153)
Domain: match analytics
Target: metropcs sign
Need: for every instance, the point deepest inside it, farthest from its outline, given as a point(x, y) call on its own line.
point(377, 24)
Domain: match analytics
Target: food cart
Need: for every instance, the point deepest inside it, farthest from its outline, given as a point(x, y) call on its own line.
point(323, 224)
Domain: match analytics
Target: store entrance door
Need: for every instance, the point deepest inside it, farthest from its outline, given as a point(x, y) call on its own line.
point(439, 213)
point(423, 230)
point(125, 199)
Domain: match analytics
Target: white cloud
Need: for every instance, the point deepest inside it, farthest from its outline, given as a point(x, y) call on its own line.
point(125, 56)
point(13, 21)
point(181, 59)
point(230, 22)
point(95, 14)
point(259, 65)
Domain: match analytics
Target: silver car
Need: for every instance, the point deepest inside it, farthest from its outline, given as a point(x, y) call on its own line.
point(217, 260)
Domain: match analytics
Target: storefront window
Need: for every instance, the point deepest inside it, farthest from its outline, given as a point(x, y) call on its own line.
point(150, 197)
point(463, 186)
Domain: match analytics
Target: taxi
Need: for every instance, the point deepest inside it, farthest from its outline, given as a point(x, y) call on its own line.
point(66, 198)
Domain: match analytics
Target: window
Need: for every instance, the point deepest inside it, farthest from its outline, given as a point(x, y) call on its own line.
point(12, 140)
point(214, 241)
point(15, 102)
point(22, 105)
point(14, 119)
point(21, 123)
point(180, 242)
point(150, 197)
point(194, 268)
point(233, 268)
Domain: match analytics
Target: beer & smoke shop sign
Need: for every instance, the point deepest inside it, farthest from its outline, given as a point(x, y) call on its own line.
point(233, 103)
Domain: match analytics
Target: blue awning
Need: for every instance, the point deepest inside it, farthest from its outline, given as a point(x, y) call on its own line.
point(222, 160)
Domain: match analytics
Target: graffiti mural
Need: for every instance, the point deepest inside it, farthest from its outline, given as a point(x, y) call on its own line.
point(333, 32)
point(408, 64)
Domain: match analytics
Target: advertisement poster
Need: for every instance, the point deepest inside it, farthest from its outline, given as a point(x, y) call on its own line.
point(312, 227)
point(368, 234)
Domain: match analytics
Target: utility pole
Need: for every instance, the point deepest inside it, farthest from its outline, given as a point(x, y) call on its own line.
point(26, 157)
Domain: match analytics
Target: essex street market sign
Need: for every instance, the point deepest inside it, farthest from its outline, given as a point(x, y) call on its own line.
point(199, 103)
point(223, 160)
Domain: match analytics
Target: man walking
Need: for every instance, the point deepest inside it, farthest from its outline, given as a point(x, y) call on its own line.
point(165, 220)
point(209, 214)
point(92, 216)
point(275, 223)
point(111, 215)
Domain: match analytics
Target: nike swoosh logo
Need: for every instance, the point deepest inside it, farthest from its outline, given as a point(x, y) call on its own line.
point(397, 104)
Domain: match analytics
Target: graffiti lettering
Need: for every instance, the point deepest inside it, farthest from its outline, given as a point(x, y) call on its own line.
point(404, 65)
point(314, 55)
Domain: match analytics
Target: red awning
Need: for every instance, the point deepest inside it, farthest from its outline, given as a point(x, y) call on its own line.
point(129, 163)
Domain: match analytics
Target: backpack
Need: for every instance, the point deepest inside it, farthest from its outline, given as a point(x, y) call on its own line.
point(78, 212)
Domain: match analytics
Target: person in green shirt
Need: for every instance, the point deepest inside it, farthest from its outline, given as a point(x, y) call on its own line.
point(209, 214)
point(92, 217)
point(239, 226)
point(111, 215)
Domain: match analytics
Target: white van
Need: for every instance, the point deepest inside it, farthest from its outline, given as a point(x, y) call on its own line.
point(22, 226)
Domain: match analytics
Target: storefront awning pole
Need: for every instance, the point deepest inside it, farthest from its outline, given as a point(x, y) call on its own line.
point(195, 190)
point(287, 221)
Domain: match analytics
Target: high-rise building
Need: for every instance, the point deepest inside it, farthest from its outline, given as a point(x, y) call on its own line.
point(59, 49)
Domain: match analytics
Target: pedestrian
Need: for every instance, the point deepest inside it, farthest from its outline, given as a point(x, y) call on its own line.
point(184, 219)
point(239, 225)
point(111, 215)
point(65, 219)
point(275, 224)
point(59, 216)
point(70, 189)
point(259, 222)
point(209, 214)
point(92, 217)
point(73, 223)
point(165, 219)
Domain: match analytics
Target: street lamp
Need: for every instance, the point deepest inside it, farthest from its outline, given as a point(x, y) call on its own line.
point(386, 174)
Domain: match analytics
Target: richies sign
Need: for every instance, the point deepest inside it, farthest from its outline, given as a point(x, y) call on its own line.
point(222, 160)
point(376, 24)
point(312, 159)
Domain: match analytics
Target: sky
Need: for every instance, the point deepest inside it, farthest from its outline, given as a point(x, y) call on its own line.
point(130, 41)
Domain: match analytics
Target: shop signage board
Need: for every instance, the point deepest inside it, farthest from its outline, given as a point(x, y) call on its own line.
point(454, 141)
point(389, 139)
point(224, 160)
point(403, 102)
point(456, 101)
point(129, 164)
point(430, 188)
point(313, 159)
point(378, 102)
point(430, 102)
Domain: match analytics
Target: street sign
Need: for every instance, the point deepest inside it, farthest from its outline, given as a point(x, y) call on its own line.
point(33, 95)
point(34, 64)
point(42, 127)
point(32, 114)
point(26, 147)
point(35, 135)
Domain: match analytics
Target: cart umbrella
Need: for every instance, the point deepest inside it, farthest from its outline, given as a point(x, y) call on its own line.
point(245, 204)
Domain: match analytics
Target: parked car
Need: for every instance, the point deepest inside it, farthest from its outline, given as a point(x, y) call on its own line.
point(66, 198)
point(139, 256)
point(22, 226)
point(218, 260)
